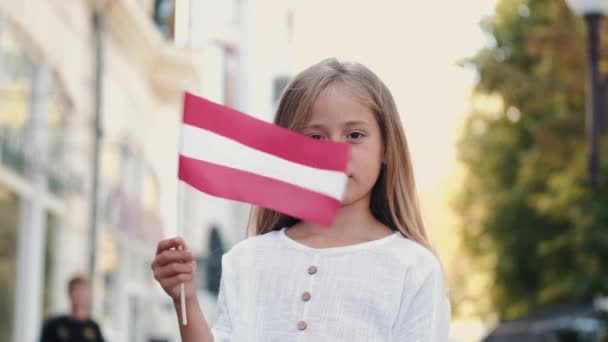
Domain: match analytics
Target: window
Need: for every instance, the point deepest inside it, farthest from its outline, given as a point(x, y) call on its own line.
point(164, 17)
point(214, 261)
point(280, 82)
point(21, 80)
point(16, 70)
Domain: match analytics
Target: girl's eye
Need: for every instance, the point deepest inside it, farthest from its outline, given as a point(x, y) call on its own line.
point(355, 135)
point(316, 136)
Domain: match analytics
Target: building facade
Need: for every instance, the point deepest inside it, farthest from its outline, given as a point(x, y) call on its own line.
point(48, 70)
point(144, 53)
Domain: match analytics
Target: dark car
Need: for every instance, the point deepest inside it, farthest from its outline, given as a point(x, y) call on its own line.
point(570, 323)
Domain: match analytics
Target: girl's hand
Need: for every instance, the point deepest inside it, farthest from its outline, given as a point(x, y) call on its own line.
point(174, 265)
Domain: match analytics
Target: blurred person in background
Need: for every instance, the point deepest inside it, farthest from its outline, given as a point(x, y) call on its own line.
point(77, 325)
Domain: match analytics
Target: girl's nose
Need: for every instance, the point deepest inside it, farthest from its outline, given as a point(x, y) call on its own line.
point(336, 138)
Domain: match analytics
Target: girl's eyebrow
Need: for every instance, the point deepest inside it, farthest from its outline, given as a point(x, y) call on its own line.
point(320, 127)
point(346, 124)
point(355, 123)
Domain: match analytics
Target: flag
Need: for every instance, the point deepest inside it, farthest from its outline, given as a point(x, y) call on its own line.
point(231, 155)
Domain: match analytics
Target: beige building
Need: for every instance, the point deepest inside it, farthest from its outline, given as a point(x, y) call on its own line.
point(234, 52)
point(47, 114)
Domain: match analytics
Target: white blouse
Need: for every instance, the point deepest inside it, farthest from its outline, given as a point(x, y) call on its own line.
point(275, 289)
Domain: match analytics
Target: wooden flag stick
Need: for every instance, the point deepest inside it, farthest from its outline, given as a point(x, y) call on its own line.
point(182, 287)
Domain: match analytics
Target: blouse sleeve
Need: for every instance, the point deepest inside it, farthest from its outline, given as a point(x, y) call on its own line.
point(425, 312)
point(222, 329)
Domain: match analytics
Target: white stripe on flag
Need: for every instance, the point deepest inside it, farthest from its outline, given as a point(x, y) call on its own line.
point(214, 148)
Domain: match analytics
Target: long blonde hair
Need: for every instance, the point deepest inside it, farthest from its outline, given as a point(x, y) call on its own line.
point(394, 201)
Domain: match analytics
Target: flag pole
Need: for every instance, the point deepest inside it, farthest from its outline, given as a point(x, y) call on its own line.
point(180, 206)
point(180, 212)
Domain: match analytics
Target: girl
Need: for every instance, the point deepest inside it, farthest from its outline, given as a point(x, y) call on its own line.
point(372, 276)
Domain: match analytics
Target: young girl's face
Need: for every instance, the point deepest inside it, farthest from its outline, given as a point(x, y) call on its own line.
point(337, 115)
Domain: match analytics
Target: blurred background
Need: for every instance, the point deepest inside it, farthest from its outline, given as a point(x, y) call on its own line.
point(503, 103)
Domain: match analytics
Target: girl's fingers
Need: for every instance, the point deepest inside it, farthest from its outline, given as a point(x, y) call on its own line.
point(171, 243)
point(173, 269)
point(169, 283)
point(172, 256)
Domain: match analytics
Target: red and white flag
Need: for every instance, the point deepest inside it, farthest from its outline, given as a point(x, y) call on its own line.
point(229, 154)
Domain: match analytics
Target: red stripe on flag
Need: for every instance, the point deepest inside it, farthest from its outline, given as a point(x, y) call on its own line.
point(278, 141)
point(247, 187)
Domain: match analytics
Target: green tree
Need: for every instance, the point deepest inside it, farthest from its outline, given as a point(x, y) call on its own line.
point(525, 205)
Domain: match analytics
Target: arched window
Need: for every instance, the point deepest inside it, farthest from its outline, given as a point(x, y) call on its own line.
point(214, 261)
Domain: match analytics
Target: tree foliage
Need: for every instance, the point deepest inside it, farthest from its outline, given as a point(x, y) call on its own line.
point(525, 202)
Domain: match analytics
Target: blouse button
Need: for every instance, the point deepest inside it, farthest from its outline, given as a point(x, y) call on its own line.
point(301, 325)
point(312, 270)
point(306, 296)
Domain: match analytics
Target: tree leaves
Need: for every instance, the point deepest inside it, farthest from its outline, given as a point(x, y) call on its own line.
point(525, 201)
